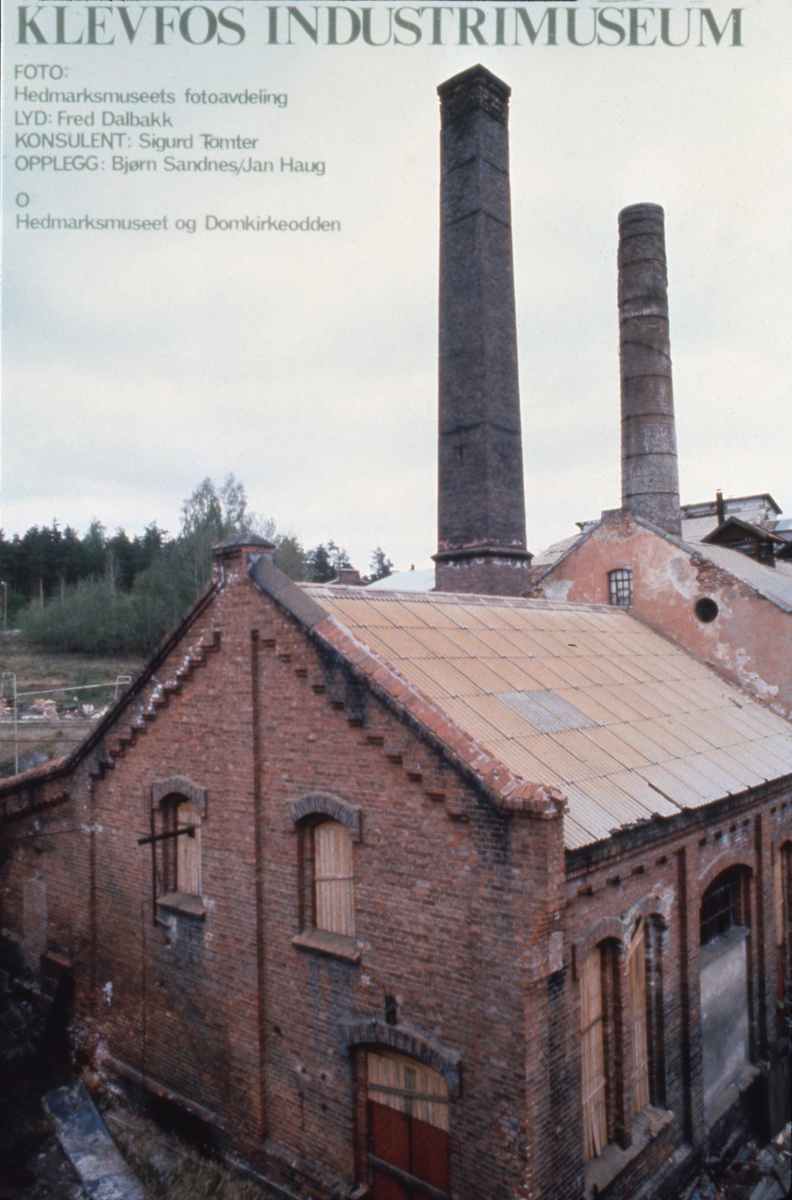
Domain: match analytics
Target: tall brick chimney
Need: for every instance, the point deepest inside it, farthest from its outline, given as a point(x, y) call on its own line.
point(650, 474)
point(481, 503)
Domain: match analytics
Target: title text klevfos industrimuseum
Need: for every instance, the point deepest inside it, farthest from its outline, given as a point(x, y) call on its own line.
point(376, 25)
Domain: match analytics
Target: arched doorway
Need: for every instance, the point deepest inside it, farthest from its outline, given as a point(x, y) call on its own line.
point(408, 1119)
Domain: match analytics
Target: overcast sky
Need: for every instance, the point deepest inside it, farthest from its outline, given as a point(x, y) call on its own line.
point(137, 363)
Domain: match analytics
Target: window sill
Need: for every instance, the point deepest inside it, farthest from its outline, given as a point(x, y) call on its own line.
point(601, 1171)
point(334, 945)
point(182, 902)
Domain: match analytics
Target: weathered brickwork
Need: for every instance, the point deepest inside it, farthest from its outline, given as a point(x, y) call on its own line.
point(481, 500)
point(470, 923)
point(663, 879)
point(669, 581)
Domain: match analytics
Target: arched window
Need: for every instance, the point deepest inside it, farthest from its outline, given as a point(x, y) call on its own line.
point(408, 1121)
point(621, 1063)
point(178, 809)
point(333, 879)
point(592, 1048)
point(637, 1016)
point(722, 905)
point(725, 980)
point(327, 828)
point(181, 848)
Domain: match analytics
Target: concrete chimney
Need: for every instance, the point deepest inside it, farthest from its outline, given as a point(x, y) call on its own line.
point(650, 474)
point(481, 503)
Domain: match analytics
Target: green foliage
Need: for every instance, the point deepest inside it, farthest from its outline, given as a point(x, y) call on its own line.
point(381, 566)
point(208, 516)
point(93, 617)
point(108, 595)
point(324, 562)
point(290, 556)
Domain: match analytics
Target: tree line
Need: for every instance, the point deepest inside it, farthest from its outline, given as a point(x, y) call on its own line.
point(98, 594)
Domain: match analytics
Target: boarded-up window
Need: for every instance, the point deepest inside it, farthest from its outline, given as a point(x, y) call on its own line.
point(408, 1128)
point(778, 894)
point(334, 889)
point(782, 880)
point(188, 849)
point(636, 968)
point(35, 917)
point(592, 1035)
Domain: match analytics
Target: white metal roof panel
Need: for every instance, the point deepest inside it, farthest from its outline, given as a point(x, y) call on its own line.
point(672, 788)
point(622, 808)
point(640, 789)
point(625, 755)
point(659, 733)
point(676, 727)
point(593, 816)
point(696, 777)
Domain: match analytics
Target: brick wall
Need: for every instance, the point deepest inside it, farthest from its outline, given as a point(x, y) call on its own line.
point(742, 641)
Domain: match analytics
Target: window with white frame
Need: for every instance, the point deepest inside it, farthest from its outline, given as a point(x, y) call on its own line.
point(620, 586)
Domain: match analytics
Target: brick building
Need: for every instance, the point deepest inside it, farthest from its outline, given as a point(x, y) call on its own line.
point(391, 886)
point(412, 894)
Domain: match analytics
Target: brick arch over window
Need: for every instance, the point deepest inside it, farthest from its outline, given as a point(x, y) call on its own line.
point(327, 805)
point(179, 785)
point(408, 1041)
point(606, 929)
point(654, 906)
point(729, 858)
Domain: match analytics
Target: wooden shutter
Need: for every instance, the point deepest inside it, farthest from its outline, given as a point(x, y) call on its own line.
point(781, 868)
point(188, 850)
point(592, 1027)
point(636, 966)
point(333, 879)
point(778, 894)
point(409, 1087)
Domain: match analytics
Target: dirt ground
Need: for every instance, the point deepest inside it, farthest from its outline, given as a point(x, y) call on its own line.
point(34, 1059)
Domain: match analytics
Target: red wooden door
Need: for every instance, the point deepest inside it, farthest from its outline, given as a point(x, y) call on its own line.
point(390, 1141)
point(414, 1148)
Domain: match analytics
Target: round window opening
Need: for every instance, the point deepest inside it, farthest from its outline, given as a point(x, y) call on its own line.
point(706, 610)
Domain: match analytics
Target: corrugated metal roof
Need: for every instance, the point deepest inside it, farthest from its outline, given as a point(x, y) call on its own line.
point(774, 583)
point(628, 725)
